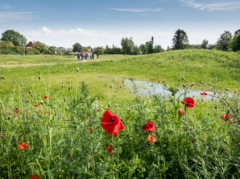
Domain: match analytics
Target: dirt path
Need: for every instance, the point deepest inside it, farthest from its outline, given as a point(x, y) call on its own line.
point(40, 64)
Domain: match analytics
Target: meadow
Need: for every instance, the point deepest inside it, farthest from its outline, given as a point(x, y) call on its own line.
point(60, 109)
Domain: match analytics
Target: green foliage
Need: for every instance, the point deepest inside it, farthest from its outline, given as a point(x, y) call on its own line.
point(237, 32)
point(158, 49)
point(15, 37)
point(224, 40)
point(85, 49)
point(52, 49)
point(41, 47)
point(180, 40)
point(204, 44)
point(113, 50)
point(235, 43)
point(77, 47)
point(127, 45)
point(99, 50)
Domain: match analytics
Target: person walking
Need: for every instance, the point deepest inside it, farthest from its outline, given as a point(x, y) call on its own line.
point(97, 55)
point(86, 56)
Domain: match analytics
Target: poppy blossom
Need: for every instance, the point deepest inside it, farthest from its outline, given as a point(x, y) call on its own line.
point(149, 126)
point(226, 116)
point(16, 111)
point(40, 111)
point(85, 115)
point(189, 102)
point(6, 110)
point(45, 97)
point(2, 136)
point(181, 111)
point(204, 93)
point(109, 149)
point(35, 177)
point(23, 146)
point(151, 138)
point(110, 153)
point(37, 105)
point(111, 123)
point(47, 112)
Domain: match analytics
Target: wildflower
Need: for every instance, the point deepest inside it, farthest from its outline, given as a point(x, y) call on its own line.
point(47, 112)
point(60, 115)
point(151, 138)
point(111, 123)
point(226, 116)
point(6, 110)
point(37, 105)
point(14, 137)
point(2, 136)
point(85, 115)
point(189, 102)
point(41, 102)
point(40, 111)
point(23, 146)
point(109, 148)
point(45, 97)
point(181, 111)
point(149, 126)
point(204, 93)
point(35, 177)
point(16, 111)
point(110, 153)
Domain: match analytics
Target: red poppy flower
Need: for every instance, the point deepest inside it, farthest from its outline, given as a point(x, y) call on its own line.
point(110, 153)
point(23, 146)
point(16, 111)
point(111, 123)
point(35, 177)
point(45, 97)
point(85, 115)
point(151, 138)
point(204, 93)
point(181, 111)
point(47, 112)
point(40, 111)
point(189, 102)
point(149, 126)
point(226, 116)
point(37, 105)
point(109, 149)
point(6, 110)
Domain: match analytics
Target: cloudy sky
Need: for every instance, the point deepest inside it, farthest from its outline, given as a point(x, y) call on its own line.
point(105, 22)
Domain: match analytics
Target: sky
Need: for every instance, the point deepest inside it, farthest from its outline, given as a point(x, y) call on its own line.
point(105, 22)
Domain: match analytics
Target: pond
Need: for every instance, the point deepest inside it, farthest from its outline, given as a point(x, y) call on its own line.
point(146, 88)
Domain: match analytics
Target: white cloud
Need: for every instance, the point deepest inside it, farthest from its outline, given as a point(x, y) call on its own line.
point(67, 38)
point(227, 6)
point(9, 16)
point(136, 10)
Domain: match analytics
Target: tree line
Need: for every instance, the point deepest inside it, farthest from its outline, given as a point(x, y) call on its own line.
point(13, 42)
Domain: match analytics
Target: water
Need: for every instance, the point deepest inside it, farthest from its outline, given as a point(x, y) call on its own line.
point(145, 88)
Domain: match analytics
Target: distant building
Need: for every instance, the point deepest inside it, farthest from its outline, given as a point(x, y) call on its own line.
point(30, 44)
point(69, 49)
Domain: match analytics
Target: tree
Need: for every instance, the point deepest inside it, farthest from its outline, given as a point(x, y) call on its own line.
point(150, 46)
point(237, 32)
point(52, 49)
point(127, 45)
point(158, 49)
point(16, 38)
point(77, 47)
point(235, 43)
point(143, 48)
point(85, 49)
point(99, 50)
point(180, 40)
point(6, 44)
point(204, 44)
point(40, 46)
point(224, 40)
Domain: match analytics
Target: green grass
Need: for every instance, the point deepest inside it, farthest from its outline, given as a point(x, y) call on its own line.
point(197, 145)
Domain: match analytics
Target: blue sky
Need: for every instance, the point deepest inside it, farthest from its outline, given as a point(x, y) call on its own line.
point(105, 22)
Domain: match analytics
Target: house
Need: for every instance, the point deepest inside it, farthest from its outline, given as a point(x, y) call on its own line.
point(30, 44)
point(69, 49)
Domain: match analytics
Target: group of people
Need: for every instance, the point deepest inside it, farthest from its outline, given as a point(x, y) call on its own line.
point(85, 56)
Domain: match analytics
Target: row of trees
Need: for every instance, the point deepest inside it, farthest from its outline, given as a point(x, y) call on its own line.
point(225, 42)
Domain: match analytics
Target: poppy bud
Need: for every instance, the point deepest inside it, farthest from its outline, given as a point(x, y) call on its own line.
point(97, 109)
point(111, 86)
point(63, 86)
point(215, 107)
point(109, 105)
point(8, 118)
point(39, 78)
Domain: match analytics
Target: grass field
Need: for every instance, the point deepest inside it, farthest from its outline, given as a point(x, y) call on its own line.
point(64, 131)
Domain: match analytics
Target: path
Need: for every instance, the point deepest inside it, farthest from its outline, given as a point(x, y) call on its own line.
point(40, 64)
